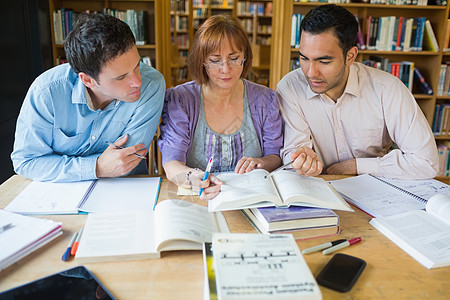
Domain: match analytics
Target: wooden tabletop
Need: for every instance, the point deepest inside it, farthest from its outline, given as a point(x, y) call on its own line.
point(390, 272)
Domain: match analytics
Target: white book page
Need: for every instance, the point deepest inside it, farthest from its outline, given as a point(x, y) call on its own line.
point(120, 194)
point(307, 191)
point(50, 198)
point(130, 233)
point(375, 197)
point(256, 266)
point(421, 235)
point(439, 206)
point(244, 190)
point(183, 225)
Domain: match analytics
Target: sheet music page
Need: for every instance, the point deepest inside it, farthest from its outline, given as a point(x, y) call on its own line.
point(50, 198)
point(255, 266)
point(422, 188)
point(375, 197)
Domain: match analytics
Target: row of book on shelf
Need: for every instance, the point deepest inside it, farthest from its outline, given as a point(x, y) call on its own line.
point(444, 80)
point(389, 33)
point(441, 120)
point(387, 2)
point(404, 70)
point(65, 18)
point(444, 158)
point(251, 8)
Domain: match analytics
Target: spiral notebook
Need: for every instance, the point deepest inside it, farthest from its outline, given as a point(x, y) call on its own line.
point(382, 197)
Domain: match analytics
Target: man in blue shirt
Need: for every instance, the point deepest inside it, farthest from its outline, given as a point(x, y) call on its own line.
point(71, 111)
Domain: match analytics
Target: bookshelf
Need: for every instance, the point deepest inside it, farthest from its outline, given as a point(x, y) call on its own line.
point(428, 62)
point(186, 16)
point(157, 28)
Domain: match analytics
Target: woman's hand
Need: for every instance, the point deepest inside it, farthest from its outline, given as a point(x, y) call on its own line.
point(246, 164)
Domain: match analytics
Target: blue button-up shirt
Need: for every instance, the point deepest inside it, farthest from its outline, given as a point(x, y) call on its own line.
point(59, 138)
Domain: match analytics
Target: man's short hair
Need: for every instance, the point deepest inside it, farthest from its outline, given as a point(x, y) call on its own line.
point(95, 40)
point(208, 38)
point(332, 17)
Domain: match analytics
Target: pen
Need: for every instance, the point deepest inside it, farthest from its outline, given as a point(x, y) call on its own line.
point(342, 245)
point(6, 227)
point(323, 246)
point(73, 251)
point(208, 169)
point(66, 254)
point(280, 168)
point(120, 147)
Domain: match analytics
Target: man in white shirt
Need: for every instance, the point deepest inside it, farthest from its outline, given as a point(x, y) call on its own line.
point(341, 117)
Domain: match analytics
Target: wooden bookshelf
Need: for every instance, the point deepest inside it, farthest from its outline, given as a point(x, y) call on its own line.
point(428, 62)
point(258, 25)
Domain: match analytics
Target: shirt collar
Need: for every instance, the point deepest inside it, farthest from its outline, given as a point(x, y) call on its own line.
point(352, 86)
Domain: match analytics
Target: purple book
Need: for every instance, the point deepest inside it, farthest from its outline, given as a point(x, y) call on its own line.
point(294, 217)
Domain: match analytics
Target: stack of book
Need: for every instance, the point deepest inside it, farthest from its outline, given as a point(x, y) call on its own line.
point(302, 222)
point(22, 235)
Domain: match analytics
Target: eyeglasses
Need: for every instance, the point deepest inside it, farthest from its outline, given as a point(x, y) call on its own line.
point(215, 65)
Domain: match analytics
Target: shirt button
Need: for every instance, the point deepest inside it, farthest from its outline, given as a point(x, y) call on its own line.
point(93, 137)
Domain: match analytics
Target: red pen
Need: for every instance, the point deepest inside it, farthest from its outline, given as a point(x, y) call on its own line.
point(342, 245)
point(73, 251)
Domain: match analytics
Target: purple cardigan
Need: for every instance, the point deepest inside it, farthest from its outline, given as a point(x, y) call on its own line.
point(181, 110)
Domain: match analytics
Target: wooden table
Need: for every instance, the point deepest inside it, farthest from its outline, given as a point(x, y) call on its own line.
point(390, 272)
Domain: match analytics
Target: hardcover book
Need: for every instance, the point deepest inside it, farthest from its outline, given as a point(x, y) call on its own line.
point(294, 217)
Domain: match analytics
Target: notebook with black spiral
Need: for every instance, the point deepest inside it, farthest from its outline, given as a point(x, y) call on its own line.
point(381, 197)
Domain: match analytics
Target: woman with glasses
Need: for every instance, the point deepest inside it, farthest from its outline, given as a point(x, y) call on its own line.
point(220, 114)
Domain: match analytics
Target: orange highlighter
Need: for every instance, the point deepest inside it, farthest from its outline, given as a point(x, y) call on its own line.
point(73, 251)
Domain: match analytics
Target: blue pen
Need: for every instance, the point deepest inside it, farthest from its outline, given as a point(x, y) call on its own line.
point(208, 169)
point(66, 254)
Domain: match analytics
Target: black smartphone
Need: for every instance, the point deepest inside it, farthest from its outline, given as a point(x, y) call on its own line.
point(77, 283)
point(341, 272)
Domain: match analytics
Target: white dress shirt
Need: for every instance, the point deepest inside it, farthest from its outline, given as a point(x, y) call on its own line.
point(375, 109)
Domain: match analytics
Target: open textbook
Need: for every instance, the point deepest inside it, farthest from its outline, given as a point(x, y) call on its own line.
point(102, 195)
point(257, 266)
point(380, 197)
point(131, 235)
point(282, 189)
point(425, 235)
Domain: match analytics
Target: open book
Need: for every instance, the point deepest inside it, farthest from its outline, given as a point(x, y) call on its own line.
point(102, 195)
point(381, 197)
point(425, 235)
point(282, 189)
point(173, 225)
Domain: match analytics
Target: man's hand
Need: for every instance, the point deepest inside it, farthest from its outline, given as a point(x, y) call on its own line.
point(114, 162)
point(306, 162)
point(347, 167)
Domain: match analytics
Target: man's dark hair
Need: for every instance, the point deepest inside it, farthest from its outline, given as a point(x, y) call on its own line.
point(95, 40)
point(332, 17)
